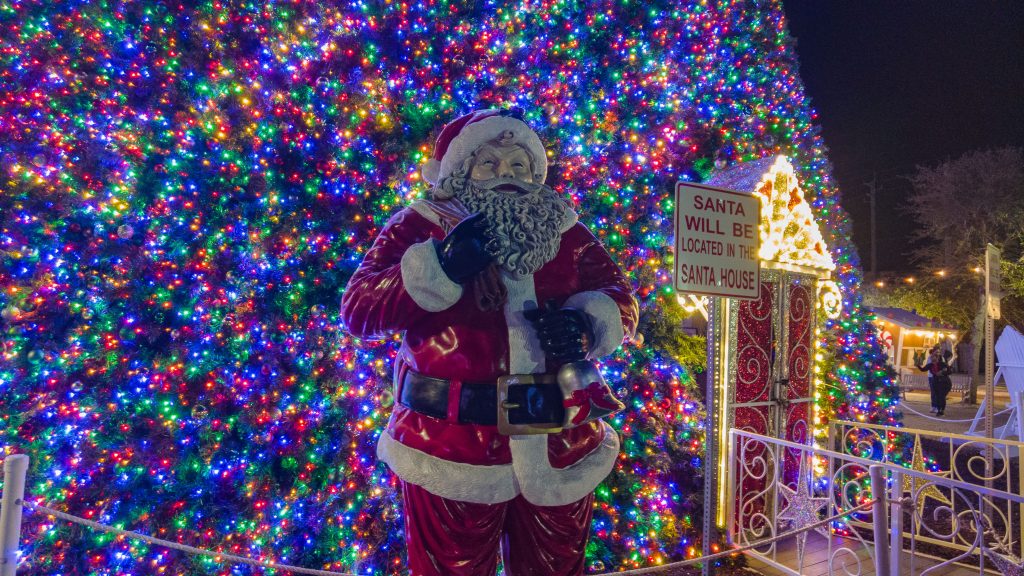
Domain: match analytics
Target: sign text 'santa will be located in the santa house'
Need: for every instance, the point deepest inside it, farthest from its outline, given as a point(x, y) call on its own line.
point(717, 241)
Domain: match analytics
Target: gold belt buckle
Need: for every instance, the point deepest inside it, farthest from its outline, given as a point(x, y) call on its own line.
point(504, 405)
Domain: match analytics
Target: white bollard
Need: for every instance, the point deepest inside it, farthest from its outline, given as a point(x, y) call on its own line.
point(881, 520)
point(15, 468)
point(896, 523)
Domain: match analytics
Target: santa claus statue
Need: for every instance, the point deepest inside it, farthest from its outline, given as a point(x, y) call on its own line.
point(503, 298)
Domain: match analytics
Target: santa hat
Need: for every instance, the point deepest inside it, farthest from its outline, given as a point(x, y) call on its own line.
point(460, 138)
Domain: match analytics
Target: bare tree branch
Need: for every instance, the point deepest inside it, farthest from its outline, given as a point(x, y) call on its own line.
point(962, 204)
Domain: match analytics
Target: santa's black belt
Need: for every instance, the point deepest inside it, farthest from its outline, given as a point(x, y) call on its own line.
point(533, 403)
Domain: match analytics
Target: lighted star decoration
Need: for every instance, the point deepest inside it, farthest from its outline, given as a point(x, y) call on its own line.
point(1006, 567)
point(803, 508)
point(923, 488)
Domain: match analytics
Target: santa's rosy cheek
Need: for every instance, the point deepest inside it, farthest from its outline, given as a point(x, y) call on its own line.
point(482, 173)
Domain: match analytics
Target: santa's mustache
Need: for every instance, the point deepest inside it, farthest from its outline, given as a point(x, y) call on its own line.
point(509, 185)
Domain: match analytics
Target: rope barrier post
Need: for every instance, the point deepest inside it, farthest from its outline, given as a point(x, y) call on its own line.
point(15, 469)
point(879, 516)
point(896, 523)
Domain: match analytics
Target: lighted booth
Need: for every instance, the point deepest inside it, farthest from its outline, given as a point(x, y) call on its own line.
point(763, 352)
point(904, 333)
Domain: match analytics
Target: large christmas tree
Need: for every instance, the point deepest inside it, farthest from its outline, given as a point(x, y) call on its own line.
point(185, 190)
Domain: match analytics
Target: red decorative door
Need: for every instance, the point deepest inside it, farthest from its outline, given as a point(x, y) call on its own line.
point(794, 400)
point(751, 395)
point(770, 382)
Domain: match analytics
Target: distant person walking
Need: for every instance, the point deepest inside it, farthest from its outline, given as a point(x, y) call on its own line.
point(939, 382)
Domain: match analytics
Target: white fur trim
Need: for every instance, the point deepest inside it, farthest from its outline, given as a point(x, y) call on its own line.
point(424, 209)
point(605, 319)
point(452, 480)
point(479, 133)
point(431, 170)
point(424, 279)
point(544, 485)
point(571, 218)
point(525, 355)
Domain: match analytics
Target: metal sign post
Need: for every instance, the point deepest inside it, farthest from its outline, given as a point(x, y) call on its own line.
point(717, 244)
point(993, 292)
point(715, 324)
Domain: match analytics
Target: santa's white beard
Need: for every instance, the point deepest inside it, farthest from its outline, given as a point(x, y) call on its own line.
point(524, 220)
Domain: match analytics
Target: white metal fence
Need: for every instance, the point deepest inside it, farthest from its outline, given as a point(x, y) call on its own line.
point(925, 524)
point(987, 463)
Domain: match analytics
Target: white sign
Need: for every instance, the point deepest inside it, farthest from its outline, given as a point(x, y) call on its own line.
point(717, 241)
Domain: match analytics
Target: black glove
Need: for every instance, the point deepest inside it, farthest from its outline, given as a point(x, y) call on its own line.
point(564, 333)
point(463, 253)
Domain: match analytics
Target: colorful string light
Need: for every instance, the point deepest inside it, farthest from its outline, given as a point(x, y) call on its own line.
point(186, 187)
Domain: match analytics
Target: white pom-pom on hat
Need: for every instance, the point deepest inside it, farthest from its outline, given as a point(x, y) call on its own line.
point(462, 136)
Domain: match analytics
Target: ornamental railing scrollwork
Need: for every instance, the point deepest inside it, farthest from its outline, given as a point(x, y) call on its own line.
point(766, 504)
point(932, 521)
point(956, 509)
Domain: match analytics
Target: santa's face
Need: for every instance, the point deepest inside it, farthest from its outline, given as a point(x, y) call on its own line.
point(524, 216)
point(501, 161)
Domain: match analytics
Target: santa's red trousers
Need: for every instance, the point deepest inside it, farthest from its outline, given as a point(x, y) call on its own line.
point(453, 538)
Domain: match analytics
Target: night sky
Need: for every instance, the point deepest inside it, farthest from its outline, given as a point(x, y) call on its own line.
point(898, 84)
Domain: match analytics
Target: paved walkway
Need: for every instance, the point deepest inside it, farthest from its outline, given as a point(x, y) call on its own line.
point(856, 562)
point(955, 410)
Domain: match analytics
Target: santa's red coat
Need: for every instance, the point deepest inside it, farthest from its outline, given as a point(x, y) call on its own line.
point(400, 286)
